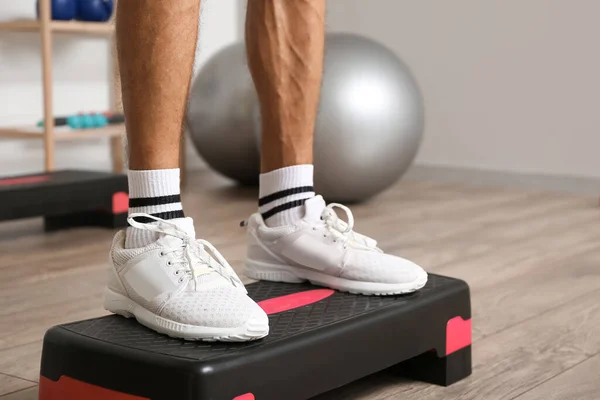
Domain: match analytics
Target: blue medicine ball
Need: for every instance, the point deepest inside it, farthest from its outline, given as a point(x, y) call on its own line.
point(94, 10)
point(62, 10)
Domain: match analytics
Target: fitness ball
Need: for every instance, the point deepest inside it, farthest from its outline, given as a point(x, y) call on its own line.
point(370, 120)
point(220, 115)
point(368, 129)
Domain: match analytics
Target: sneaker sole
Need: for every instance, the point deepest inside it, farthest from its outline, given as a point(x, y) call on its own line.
point(122, 305)
point(285, 273)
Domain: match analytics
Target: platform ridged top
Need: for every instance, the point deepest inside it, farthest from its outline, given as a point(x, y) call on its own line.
point(58, 178)
point(120, 331)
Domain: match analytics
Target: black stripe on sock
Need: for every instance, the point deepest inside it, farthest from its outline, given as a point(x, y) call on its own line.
point(154, 201)
point(283, 193)
point(283, 207)
point(162, 215)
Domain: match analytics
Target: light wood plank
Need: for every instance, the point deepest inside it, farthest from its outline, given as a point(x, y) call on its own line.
point(19, 133)
point(581, 382)
point(10, 384)
point(507, 364)
point(65, 133)
point(47, 84)
point(88, 28)
point(22, 361)
point(523, 356)
point(117, 143)
point(20, 25)
point(27, 394)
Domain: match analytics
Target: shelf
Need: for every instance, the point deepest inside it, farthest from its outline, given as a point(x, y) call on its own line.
point(63, 133)
point(88, 28)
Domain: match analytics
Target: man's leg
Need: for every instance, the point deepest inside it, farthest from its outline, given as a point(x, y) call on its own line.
point(156, 46)
point(160, 274)
point(285, 41)
point(295, 236)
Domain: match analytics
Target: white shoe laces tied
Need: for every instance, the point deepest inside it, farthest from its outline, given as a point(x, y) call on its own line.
point(196, 261)
point(342, 230)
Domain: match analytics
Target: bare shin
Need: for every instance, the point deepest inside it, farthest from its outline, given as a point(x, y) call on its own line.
point(284, 42)
point(156, 46)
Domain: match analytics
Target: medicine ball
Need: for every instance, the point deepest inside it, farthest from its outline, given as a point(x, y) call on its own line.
point(62, 10)
point(94, 10)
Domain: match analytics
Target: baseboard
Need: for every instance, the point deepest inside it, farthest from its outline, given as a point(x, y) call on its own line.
point(565, 184)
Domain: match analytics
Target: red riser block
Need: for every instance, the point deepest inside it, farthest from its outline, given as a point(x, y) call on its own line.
point(458, 334)
point(120, 203)
point(71, 389)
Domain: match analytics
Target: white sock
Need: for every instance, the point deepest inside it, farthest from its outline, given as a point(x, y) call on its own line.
point(155, 192)
point(283, 192)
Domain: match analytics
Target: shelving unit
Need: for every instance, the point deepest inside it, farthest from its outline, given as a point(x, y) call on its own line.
point(61, 133)
point(90, 28)
point(50, 134)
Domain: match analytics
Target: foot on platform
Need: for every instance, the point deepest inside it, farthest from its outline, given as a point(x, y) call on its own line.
point(180, 286)
point(323, 249)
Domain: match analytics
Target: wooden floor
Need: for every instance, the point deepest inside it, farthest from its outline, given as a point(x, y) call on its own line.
point(532, 260)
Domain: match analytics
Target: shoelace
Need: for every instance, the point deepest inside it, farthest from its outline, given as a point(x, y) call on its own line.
point(342, 230)
point(192, 249)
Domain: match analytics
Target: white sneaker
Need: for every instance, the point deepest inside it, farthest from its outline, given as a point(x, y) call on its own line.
point(181, 286)
point(323, 249)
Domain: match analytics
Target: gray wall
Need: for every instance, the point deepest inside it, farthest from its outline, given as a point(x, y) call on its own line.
point(510, 85)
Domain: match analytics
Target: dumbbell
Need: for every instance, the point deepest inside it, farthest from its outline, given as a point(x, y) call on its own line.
point(94, 10)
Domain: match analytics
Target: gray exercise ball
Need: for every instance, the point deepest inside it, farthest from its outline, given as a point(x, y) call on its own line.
point(370, 120)
point(220, 115)
point(368, 129)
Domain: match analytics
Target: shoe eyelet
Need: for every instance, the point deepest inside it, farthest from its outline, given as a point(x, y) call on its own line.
point(324, 236)
point(162, 254)
point(180, 280)
point(169, 263)
point(321, 218)
point(177, 272)
point(334, 241)
point(314, 228)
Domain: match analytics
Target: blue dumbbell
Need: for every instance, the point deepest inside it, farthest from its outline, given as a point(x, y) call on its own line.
point(62, 10)
point(94, 10)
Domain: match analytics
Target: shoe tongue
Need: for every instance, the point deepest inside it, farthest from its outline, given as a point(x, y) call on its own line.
point(187, 225)
point(313, 208)
point(184, 224)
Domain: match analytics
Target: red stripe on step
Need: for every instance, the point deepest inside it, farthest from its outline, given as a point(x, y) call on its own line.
point(24, 180)
point(295, 300)
point(458, 334)
point(247, 396)
point(71, 389)
point(120, 202)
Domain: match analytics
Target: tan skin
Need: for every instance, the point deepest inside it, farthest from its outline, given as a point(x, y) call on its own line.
point(156, 45)
point(284, 43)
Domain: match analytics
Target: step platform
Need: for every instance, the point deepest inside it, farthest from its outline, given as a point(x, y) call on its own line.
point(66, 198)
point(319, 340)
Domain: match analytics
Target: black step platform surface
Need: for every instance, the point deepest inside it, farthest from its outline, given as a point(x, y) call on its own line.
point(319, 340)
point(66, 198)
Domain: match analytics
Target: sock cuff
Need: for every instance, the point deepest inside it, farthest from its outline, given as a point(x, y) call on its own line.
point(153, 183)
point(283, 192)
point(286, 178)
